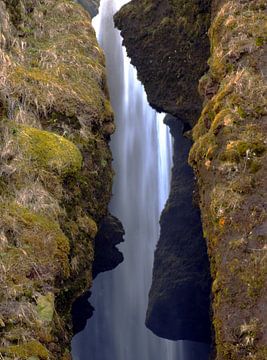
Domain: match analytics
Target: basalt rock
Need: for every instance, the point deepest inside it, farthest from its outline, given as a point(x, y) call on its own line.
point(179, 298)
point(167, 42)
point(107, 256)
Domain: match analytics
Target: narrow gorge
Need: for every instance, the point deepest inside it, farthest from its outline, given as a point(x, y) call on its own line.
point(133, 180)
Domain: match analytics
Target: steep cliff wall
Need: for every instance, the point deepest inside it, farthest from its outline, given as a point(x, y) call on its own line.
point(229, 152)
point(167, 42)
point(229, 156)
point(56, 176)
point(179, 298)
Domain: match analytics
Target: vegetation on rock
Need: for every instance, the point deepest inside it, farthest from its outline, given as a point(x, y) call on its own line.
point(56, 176)
point(229, 156)
point(229, 151)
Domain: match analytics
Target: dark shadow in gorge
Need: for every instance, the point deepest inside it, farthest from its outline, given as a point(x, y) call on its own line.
point(179, 298)
point(107, 257)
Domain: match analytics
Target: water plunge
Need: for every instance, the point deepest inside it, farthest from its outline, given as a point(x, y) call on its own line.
point(141, 149)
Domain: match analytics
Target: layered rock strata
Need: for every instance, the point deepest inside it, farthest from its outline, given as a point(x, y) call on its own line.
point(56, 176)
point(229, 151)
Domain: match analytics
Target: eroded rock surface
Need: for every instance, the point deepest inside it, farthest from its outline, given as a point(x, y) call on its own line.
point(179, 299)
point(167, 41)
point(107, 256)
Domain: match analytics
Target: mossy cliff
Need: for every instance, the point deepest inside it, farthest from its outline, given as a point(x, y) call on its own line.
point(56, 176)
point(229, 151)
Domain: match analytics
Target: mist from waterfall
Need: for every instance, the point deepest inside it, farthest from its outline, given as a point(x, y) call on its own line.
point(142, 152)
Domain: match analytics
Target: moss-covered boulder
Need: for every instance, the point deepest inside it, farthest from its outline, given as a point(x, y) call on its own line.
point(26, 350)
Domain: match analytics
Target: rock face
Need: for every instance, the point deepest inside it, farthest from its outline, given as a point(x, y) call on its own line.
point(107, 256)
point(228, 155)
point(56, 176)
point(229, 158)
point(179, 299)
point(90, 5)
point(167, 41)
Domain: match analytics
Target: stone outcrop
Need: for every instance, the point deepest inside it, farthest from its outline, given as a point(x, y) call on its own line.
point(179, 299)
point(167, 41)
point(229, 151)
point(107, 256)
point(55, 165)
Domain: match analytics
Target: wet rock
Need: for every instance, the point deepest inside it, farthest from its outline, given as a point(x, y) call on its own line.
point(179, 296)
point(167, 42)
point(82, 310)
point(107, 256)
point(91, 6)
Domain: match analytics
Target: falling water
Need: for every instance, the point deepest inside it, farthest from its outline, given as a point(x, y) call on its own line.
point(142, 160)
point(142, 155)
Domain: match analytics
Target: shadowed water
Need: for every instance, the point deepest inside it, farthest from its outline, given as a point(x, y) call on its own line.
point(141, 149)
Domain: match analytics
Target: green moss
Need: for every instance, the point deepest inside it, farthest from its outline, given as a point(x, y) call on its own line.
point(254, 166)
point(50, 150)
point(46, 307)
point(35, 231)
point(259, 41)
point(255, 147)
point(230, 143)
point(24, 351)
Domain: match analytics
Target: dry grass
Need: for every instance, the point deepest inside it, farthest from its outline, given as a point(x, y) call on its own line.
point(53, 109)
point(229, 155)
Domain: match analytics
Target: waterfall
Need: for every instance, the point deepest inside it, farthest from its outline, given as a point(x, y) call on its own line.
point(141, 149)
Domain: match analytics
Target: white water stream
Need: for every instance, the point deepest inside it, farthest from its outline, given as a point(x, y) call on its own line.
point(142, 154)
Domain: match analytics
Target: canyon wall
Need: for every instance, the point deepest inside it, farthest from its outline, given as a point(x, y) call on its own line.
point(179, 301)
point(168, 42)
point(56, 175)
